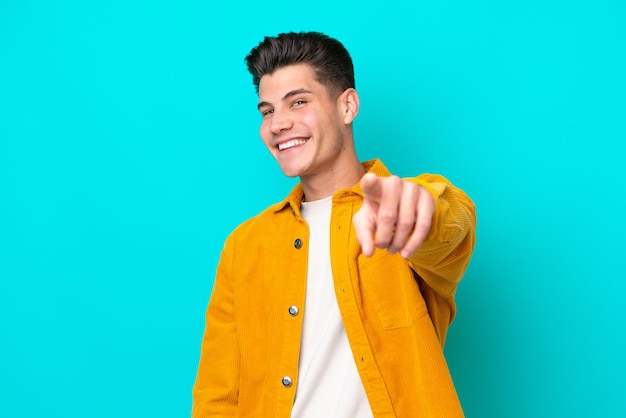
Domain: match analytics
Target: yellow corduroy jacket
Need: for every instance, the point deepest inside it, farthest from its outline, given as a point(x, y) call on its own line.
point(396, 312)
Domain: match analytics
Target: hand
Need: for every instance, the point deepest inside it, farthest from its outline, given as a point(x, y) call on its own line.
point(396, 214)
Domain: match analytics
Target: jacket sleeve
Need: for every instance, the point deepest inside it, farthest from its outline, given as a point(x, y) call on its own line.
point(444, 256)
point(216, 390)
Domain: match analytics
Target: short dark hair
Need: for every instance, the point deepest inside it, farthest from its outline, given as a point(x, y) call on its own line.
point(327, 56)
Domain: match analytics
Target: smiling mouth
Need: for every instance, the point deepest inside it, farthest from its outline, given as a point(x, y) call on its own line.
point(291, 144)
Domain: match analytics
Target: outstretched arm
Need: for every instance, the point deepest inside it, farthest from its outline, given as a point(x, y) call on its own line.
point(426, 219)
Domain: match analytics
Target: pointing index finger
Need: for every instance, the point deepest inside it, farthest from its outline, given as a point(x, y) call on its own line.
point(371, 187)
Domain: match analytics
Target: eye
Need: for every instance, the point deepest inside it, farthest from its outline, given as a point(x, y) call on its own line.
point(299, 102)
point(267, 112)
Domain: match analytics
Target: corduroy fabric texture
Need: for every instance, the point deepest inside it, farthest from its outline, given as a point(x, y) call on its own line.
point(396, 312)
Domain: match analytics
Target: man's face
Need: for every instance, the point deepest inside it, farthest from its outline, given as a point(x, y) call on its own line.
point(303, 126)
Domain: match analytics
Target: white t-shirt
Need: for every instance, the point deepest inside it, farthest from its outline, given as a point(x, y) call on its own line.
point(328, 381)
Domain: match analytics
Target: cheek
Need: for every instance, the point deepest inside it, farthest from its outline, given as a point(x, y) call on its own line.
point(310, 119)
point(265, 133)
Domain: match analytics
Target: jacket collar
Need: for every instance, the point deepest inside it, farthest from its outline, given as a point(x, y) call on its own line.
point(294, 198)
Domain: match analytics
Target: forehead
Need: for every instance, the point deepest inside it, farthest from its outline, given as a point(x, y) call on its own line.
point(286, 79)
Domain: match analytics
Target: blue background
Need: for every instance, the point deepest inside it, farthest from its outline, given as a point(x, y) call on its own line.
point(128, 129)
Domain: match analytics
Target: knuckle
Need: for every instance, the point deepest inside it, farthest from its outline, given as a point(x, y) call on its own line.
point(423, 226)
point(404, 224)
point(386, 216)
point(392, 182)
point(395, 181)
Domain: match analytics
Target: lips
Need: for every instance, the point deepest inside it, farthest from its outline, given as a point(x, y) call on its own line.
point(290, 144)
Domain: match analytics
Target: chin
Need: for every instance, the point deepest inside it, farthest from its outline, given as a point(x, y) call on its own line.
point(292, 171)
point(291, 168)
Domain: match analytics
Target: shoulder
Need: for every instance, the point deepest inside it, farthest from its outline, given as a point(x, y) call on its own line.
point(263, 224)
point(270, 216)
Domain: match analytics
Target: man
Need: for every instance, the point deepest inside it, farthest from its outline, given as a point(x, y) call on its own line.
point(336, 301)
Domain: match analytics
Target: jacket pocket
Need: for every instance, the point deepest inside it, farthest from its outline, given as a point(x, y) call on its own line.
point(388, 286)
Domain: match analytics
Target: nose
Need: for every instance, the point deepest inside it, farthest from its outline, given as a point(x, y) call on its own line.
point(280, 122)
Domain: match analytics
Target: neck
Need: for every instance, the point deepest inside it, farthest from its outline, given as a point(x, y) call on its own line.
point(327, 182)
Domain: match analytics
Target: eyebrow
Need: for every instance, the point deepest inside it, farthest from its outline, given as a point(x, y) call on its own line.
point(286, 96)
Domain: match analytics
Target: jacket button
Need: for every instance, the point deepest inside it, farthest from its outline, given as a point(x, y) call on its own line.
point(297, 243)
point(286, 381)
point(293, 310)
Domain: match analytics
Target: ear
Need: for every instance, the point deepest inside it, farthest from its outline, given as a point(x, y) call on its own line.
point(349, 105)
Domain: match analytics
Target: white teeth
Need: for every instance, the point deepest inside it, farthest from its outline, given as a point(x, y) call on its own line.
point(290, 144)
